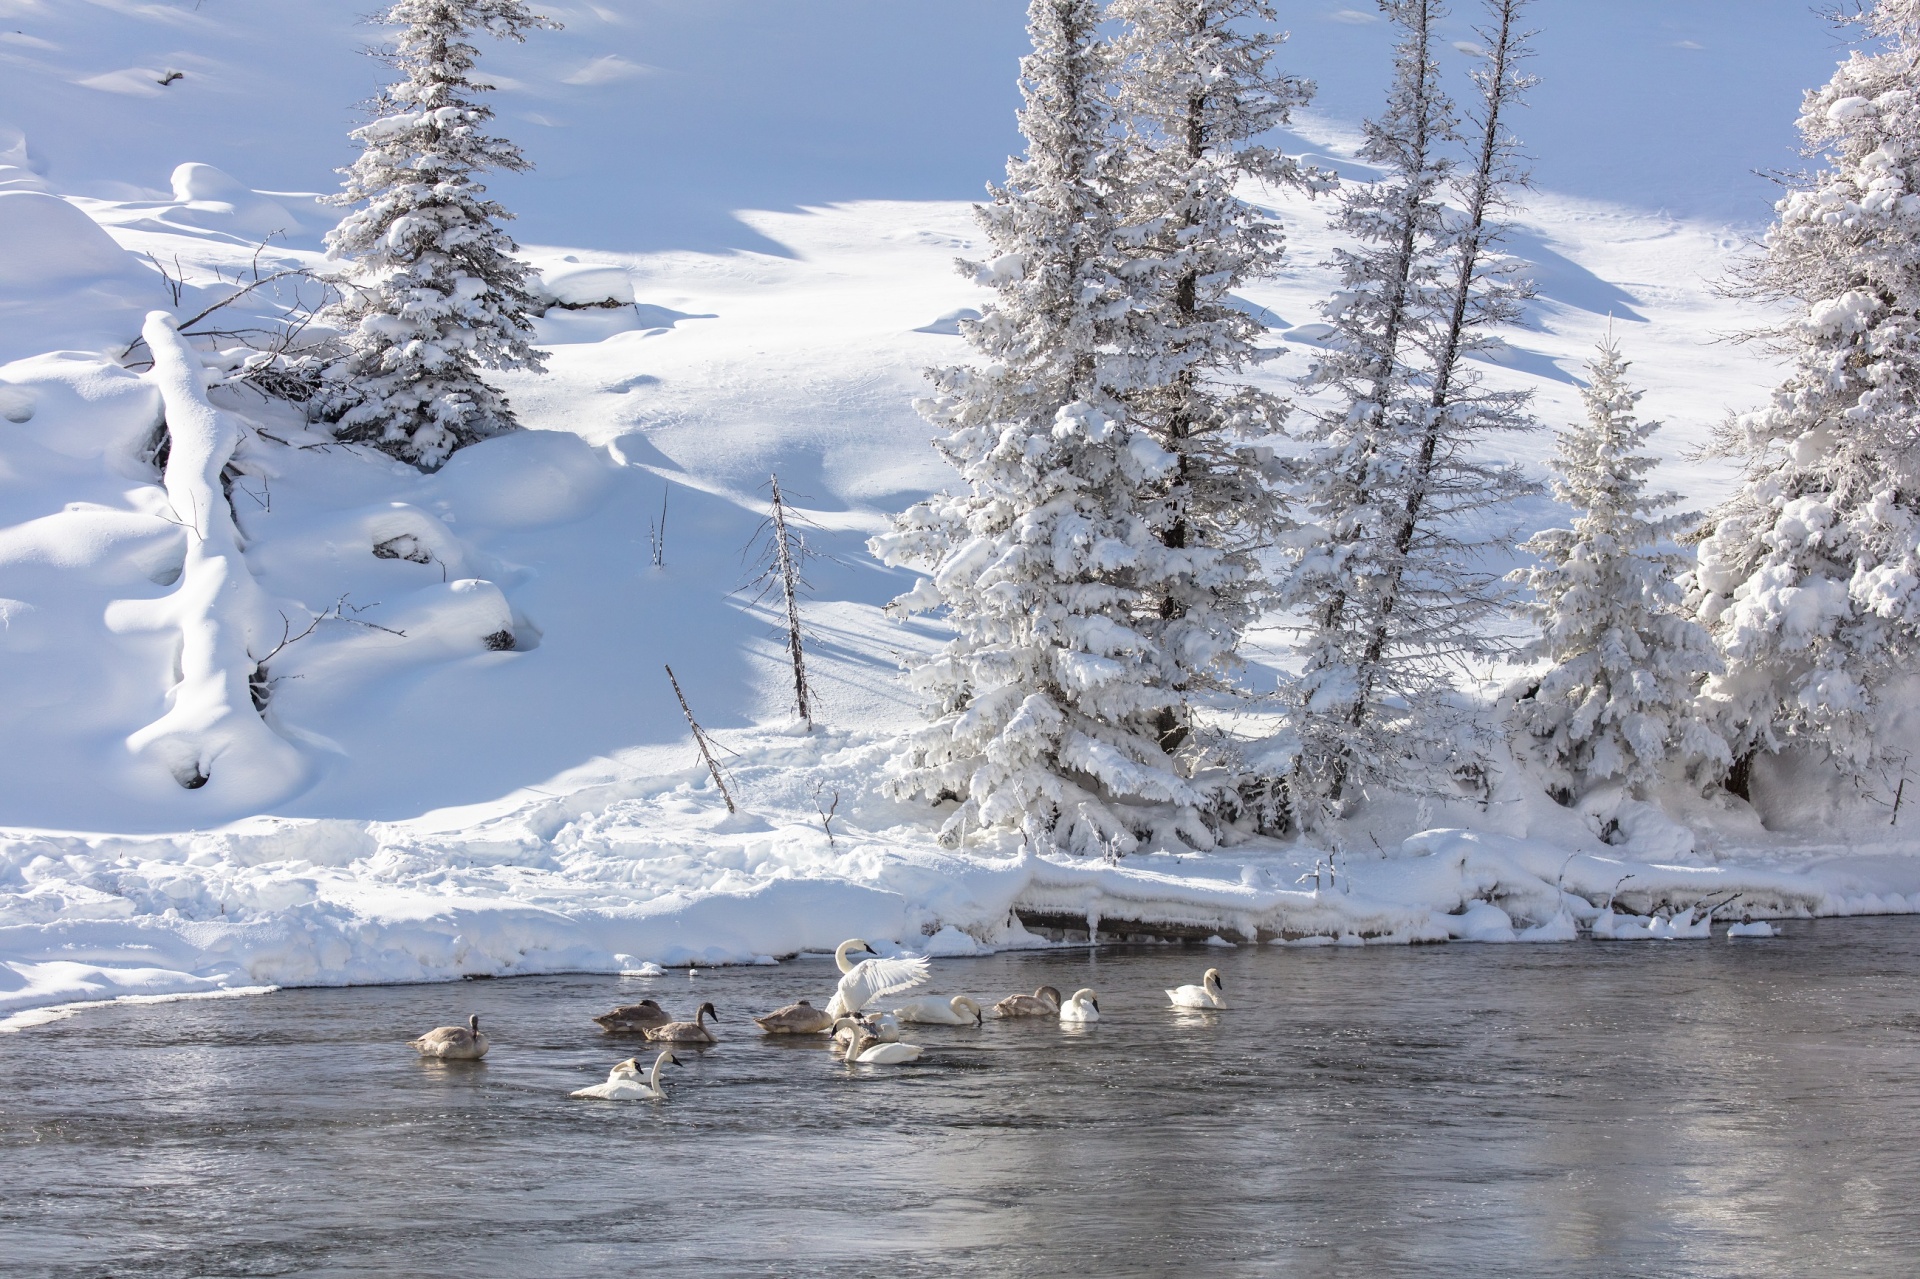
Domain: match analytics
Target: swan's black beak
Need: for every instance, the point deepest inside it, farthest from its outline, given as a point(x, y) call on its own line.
point(1095, 1003)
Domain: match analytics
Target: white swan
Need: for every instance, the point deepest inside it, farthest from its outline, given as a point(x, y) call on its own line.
point(453, 1043)
point(1082, 1005)
point(865, 1050)
point(884, 1029)
point(625, 1083)
point(1205, 995)
point(868, 980)
point(935, 1011)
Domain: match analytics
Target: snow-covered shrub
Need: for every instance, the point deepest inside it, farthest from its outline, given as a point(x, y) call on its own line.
point(1045, 709)
point(1810, 576)
point(1391, 573)
point(1618, 703)
point(433, 291)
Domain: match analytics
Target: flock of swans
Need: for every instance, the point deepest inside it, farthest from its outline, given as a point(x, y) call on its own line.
point(860, 1030)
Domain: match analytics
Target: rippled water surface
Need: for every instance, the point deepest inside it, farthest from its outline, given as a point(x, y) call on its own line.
point(1688, 1108)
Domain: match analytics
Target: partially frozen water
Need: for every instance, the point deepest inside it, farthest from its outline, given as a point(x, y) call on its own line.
point(1690, 1108)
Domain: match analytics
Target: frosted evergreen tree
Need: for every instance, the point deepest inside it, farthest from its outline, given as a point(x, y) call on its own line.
point(1393, 580)
point(433, 291)
point(1044, 710)
point(1810, 577)
point(1197, 91)
point(1617, 706)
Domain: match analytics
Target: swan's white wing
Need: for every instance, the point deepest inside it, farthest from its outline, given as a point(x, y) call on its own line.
point(872, 978)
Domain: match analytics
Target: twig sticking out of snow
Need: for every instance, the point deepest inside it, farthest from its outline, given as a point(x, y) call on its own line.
point(700, 740)
point(826, 810)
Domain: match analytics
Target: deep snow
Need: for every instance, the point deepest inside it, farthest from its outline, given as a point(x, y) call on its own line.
point(777, 232)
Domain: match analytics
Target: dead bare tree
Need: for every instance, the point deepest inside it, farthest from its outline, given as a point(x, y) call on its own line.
point(782, 556)
point(657, 534)
point(700, 740)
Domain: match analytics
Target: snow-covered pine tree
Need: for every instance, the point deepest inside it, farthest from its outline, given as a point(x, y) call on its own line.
point(1197, 92)
point(1394, 583)
point(1617, 706)
point(432, 291)
point(1044, 710)
point(1809, 578)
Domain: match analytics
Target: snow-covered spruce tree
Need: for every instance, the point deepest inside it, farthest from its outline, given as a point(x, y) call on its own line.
point(432, 291)
point(1044, 710)
point(1617, 706)
point(1197, 91)
point(1809, 578)
point(1393, 583)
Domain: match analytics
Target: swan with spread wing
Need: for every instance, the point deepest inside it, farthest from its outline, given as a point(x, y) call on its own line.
point(870, 979)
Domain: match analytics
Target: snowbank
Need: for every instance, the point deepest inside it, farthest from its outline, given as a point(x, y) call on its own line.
point(652, 869)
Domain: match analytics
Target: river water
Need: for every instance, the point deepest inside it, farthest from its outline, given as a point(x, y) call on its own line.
point(1609, 1109)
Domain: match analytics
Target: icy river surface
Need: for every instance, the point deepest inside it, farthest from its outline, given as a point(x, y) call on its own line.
point(1608, 1109)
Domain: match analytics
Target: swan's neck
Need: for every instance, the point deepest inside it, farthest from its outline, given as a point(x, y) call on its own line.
point(840, 957)
point(653, 1079)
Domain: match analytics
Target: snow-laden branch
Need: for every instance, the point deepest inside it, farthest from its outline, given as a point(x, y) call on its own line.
point(210, 734)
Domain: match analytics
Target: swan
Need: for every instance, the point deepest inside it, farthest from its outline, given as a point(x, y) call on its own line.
point(687, 1032)
point(883, 1029)
point(865, 1050)
point(796, 1019)
point(624, 1082)
point(634, 1019)
point(1205, 995)
point(1082, 1005)
point(958, 1011)
point(1044, 1002)
point(453, 1043)
point(868, 980)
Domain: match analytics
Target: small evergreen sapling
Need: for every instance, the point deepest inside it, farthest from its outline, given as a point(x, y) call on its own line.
point(433, 293)
point(1617, 706)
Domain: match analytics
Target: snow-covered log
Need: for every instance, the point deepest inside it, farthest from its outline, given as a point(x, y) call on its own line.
point(210, 735)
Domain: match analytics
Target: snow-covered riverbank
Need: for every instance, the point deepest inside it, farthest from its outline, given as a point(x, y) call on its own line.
point(652, 869)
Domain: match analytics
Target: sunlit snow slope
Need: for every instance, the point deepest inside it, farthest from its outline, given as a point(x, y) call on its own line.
point(789, 176)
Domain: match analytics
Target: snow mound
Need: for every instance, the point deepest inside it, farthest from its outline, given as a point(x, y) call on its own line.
point(79, 405)
point(948, 324)
point(64, 282)
point(583, 284)
point(44, 242)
